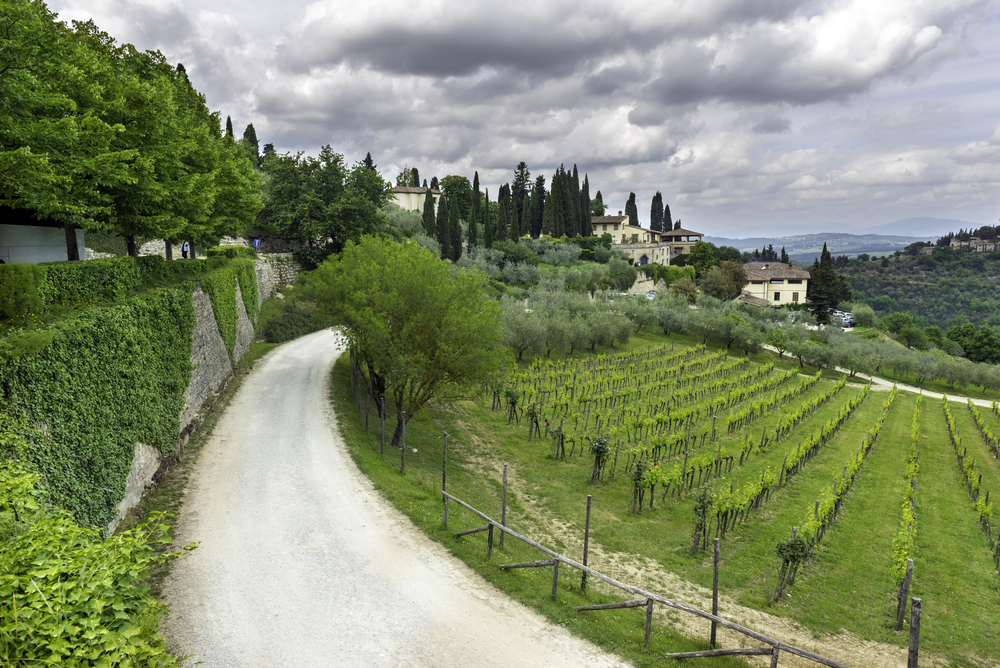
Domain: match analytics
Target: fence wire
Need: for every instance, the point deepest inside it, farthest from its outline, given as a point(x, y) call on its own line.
point(420, 448)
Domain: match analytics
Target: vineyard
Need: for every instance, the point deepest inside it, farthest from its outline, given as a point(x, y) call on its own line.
point(819, 490)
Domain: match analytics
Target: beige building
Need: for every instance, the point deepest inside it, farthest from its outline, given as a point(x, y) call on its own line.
point(412, 199)
point(975, 244)
point(645, 246)
point(776, 283)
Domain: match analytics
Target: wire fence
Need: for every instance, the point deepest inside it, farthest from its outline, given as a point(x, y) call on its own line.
point(423, 451)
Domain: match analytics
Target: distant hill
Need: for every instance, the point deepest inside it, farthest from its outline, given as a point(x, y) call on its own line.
point(924, 227)
point(806, 247)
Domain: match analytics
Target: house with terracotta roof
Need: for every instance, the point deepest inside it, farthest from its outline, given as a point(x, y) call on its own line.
point(412, 198)
point(776, 283)
point(643, 245)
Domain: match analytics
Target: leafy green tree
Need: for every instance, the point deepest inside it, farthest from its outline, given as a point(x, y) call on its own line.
point(912, 337)
point(597, 205)
point(459, 190)
point(433, 336)
point(430, 222)
point(685, 287)
point(702, 258)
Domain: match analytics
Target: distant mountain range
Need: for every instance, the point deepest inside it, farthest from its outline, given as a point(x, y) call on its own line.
point(877, 240)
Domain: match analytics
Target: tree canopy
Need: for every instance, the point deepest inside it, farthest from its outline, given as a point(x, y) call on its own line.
point(431, 336)
point(98, 135)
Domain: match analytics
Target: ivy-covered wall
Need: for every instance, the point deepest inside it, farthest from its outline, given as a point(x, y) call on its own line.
point(102, 379)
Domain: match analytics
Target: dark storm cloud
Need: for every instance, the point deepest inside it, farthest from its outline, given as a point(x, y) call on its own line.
point(772, 125)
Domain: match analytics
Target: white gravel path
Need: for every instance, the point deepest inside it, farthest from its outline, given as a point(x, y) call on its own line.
point(302, 563)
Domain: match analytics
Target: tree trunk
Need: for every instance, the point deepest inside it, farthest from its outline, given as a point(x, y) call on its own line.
point(397, 435)
point(133, 247)
point(72, 250)
point(170, 250)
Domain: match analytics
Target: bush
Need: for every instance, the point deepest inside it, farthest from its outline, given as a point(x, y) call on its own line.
point(232, 252)
point(407, 223)
point(521, 273)
point(289, 323)
point(21, 287)
point(514, 253)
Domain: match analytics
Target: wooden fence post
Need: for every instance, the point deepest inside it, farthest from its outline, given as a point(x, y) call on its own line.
point(402, 448)
point(586, 544)
point(489, 542)
point(381, 414)
point(503, 507)
point(911, 659)
point(774, 657)
point(904, 593)
point(649, 619)
point(444, 478)
point(715, 593)
point(555, 577)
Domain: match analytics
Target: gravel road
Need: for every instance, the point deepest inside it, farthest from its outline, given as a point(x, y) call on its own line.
point(302, 563)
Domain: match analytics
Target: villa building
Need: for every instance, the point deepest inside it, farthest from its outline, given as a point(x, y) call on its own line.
point(411, 198)
point(776, 283)
point(645, 246)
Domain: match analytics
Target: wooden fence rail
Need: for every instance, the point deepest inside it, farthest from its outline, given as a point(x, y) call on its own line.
point(776, 645)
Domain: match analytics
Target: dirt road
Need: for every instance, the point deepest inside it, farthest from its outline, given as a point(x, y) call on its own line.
point(301, 563)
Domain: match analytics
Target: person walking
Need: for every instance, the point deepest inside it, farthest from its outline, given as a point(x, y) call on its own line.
point(184, 250)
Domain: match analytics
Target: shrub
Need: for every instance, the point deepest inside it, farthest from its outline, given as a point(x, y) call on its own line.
point(514, 253)
point(21, 287)
point(231, 252)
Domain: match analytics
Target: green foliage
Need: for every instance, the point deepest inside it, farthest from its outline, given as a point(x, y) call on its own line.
point(21, 290)
point(69, 598)
point(793, 550)
point(231, 252)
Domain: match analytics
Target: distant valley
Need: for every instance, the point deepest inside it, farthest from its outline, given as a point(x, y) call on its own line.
point(806, 247)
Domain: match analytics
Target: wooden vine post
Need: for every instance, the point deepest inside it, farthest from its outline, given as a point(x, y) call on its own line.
point(715, 593)
point(586, 544)
point(914, 651)
point(402, 448)
point(444, 478)
point(904, 593)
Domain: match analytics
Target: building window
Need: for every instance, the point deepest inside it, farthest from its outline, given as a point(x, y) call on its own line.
point(777, 296)
point(757, 282)
point(777, 281)
point(604, 228)
point(795, 296)
point(795, 281)
point(616, 227)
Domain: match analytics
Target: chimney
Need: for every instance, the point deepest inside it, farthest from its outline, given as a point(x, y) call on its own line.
point(619, 213)
point(767, 266)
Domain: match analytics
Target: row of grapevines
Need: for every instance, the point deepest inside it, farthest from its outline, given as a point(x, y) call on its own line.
point(732, 507)
point(967, 465)
point(828, 505)
point(984, 429)
point(789, 421)
point(902, 544)
point(757, 409)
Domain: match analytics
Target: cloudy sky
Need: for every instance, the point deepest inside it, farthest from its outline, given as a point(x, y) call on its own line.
point(779, 116)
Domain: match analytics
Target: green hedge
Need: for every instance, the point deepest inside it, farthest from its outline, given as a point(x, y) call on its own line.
point(109, 378)
point(232, 252)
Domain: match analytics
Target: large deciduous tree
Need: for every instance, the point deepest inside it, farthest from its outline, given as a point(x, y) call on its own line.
point(433, 335)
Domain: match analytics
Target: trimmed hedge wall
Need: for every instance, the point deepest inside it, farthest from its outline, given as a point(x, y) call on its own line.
point(97, 381)
point(108, 378)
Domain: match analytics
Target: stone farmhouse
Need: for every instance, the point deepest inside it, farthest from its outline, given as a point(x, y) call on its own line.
point(642, 245)
point(411, 198)
point(975, 244)
point(775, 283)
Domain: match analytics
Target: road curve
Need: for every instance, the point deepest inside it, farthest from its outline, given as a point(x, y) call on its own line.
point(302, 563)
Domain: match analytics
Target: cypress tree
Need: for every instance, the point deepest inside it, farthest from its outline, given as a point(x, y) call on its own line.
point(229, 127)
point(784, 255)
point(515, 225)
point(414, 178)
point(456, 232)
point(251, 137)
point(557, 196)
point(474, 216)
point(443, 231)
point(502, 232)
point(434, 182)
point(537, 205)
point(519, 186)
point(586, 229)
point(430, 225)
point(369, 163)
point(666, 221)
point(487, 221)
point(631, 211)
point(656, 212)
point(573, 225)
